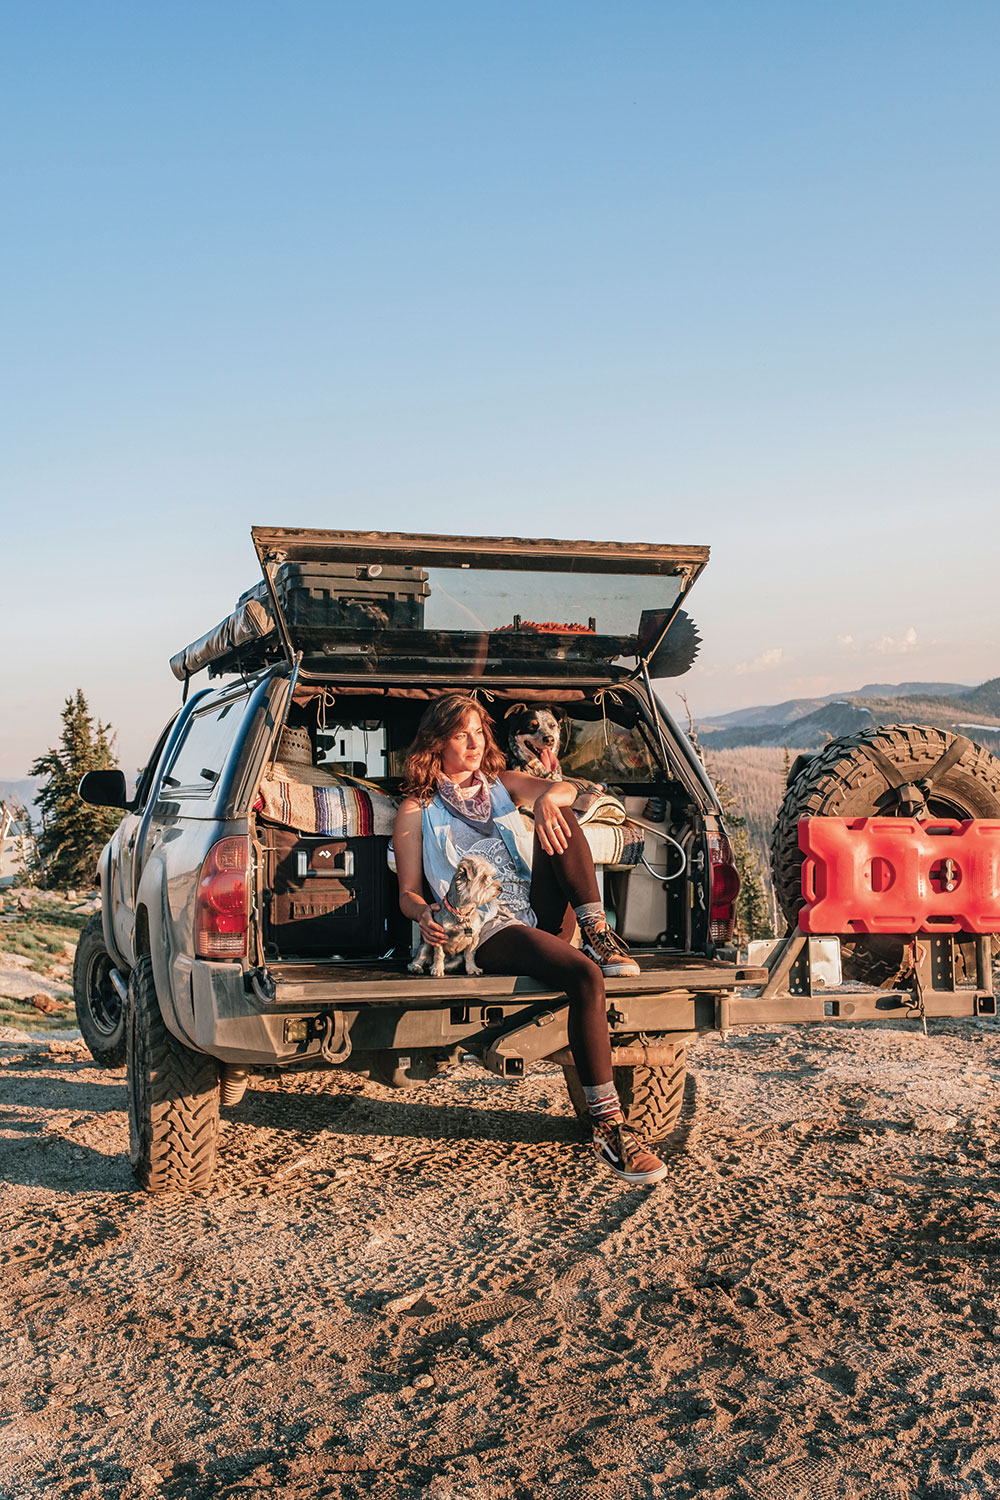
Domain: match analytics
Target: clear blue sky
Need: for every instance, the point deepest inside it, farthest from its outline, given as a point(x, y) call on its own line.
point(716, 273)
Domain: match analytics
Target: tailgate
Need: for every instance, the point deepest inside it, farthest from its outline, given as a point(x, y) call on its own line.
point(299, 985)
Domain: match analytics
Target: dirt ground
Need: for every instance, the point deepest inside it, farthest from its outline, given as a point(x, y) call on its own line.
point(436, 1294)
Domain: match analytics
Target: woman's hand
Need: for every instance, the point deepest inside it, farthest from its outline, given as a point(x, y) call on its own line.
point(430, 931)
point(551, 824)
point(549, 801)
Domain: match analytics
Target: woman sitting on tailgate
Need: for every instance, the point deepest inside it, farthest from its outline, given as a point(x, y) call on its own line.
point(460, 799)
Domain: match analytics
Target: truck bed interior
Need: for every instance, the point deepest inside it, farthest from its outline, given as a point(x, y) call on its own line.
point(326, 895)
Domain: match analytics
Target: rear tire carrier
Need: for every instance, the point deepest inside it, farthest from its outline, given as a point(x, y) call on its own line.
point(853, 777)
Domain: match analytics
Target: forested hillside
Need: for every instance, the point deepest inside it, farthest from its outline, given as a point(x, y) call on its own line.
point(756, 778)
point(974, 712)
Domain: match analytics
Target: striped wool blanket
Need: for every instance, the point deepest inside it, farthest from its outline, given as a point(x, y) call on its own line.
point(336, 810)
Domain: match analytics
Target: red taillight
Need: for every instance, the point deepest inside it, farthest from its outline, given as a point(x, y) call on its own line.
point(222, 907)
point(725, 888)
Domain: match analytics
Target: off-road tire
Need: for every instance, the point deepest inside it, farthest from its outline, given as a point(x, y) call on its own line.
point(100, 1013)
point(173, 1098)
point(650, 1097)
point(842, 781)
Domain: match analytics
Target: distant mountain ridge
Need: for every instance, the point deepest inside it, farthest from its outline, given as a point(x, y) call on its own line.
point(798, 708)
point(807, 723)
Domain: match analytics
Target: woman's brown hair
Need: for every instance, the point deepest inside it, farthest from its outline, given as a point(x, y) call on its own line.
point(441, 719)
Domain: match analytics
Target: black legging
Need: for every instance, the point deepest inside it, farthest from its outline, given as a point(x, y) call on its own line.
point(560, 882)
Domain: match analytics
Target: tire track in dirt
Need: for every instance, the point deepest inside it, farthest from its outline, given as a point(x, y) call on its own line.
point(435, 1294)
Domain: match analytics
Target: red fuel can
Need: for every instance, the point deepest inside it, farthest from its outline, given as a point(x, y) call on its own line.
point(900, 875)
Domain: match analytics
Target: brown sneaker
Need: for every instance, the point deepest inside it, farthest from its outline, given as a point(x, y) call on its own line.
point(609, 953)
point(622, 1152)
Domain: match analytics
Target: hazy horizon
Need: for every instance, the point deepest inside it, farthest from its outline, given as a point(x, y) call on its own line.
point(669, 690)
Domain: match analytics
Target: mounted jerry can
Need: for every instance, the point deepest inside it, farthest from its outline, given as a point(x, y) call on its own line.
point(900, 875)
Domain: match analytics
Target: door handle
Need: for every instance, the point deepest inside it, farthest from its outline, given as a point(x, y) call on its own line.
point(346, 867)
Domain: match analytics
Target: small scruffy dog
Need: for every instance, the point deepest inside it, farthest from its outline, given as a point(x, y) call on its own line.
point(533, 740)
point(473, 885)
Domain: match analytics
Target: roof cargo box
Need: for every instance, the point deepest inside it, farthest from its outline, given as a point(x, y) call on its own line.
point(347, 596)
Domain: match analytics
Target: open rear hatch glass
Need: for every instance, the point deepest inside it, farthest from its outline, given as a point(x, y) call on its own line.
point(421, 605)
point(419, 608)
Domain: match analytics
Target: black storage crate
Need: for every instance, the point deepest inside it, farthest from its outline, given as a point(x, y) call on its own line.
point(329, 896)
point(348, 596)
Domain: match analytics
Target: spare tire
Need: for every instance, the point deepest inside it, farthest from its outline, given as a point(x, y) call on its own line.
point(849, 778)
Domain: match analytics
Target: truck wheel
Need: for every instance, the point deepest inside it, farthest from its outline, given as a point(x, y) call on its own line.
point(100, 1013)
point(844, 781)
point(650, 1097)
point(173, 1098)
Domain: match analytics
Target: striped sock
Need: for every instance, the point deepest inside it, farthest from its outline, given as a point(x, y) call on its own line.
point(590, 914)
point(602, 1100)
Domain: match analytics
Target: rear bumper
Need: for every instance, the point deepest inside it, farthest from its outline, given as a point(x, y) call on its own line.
point(508, 1021)
point(237, 1022)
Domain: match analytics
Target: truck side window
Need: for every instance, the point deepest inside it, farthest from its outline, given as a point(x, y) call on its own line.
point(202, 753)
point(144, 782)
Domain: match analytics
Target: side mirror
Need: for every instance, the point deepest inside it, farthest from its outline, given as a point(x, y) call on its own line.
point(104, 789)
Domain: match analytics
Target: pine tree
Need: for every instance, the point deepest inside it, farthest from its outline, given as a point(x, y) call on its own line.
point(73, 833)
point(753, 913)
point(753, 908)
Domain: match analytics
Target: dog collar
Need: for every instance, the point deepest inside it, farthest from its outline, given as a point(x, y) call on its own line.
point(462, 912)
